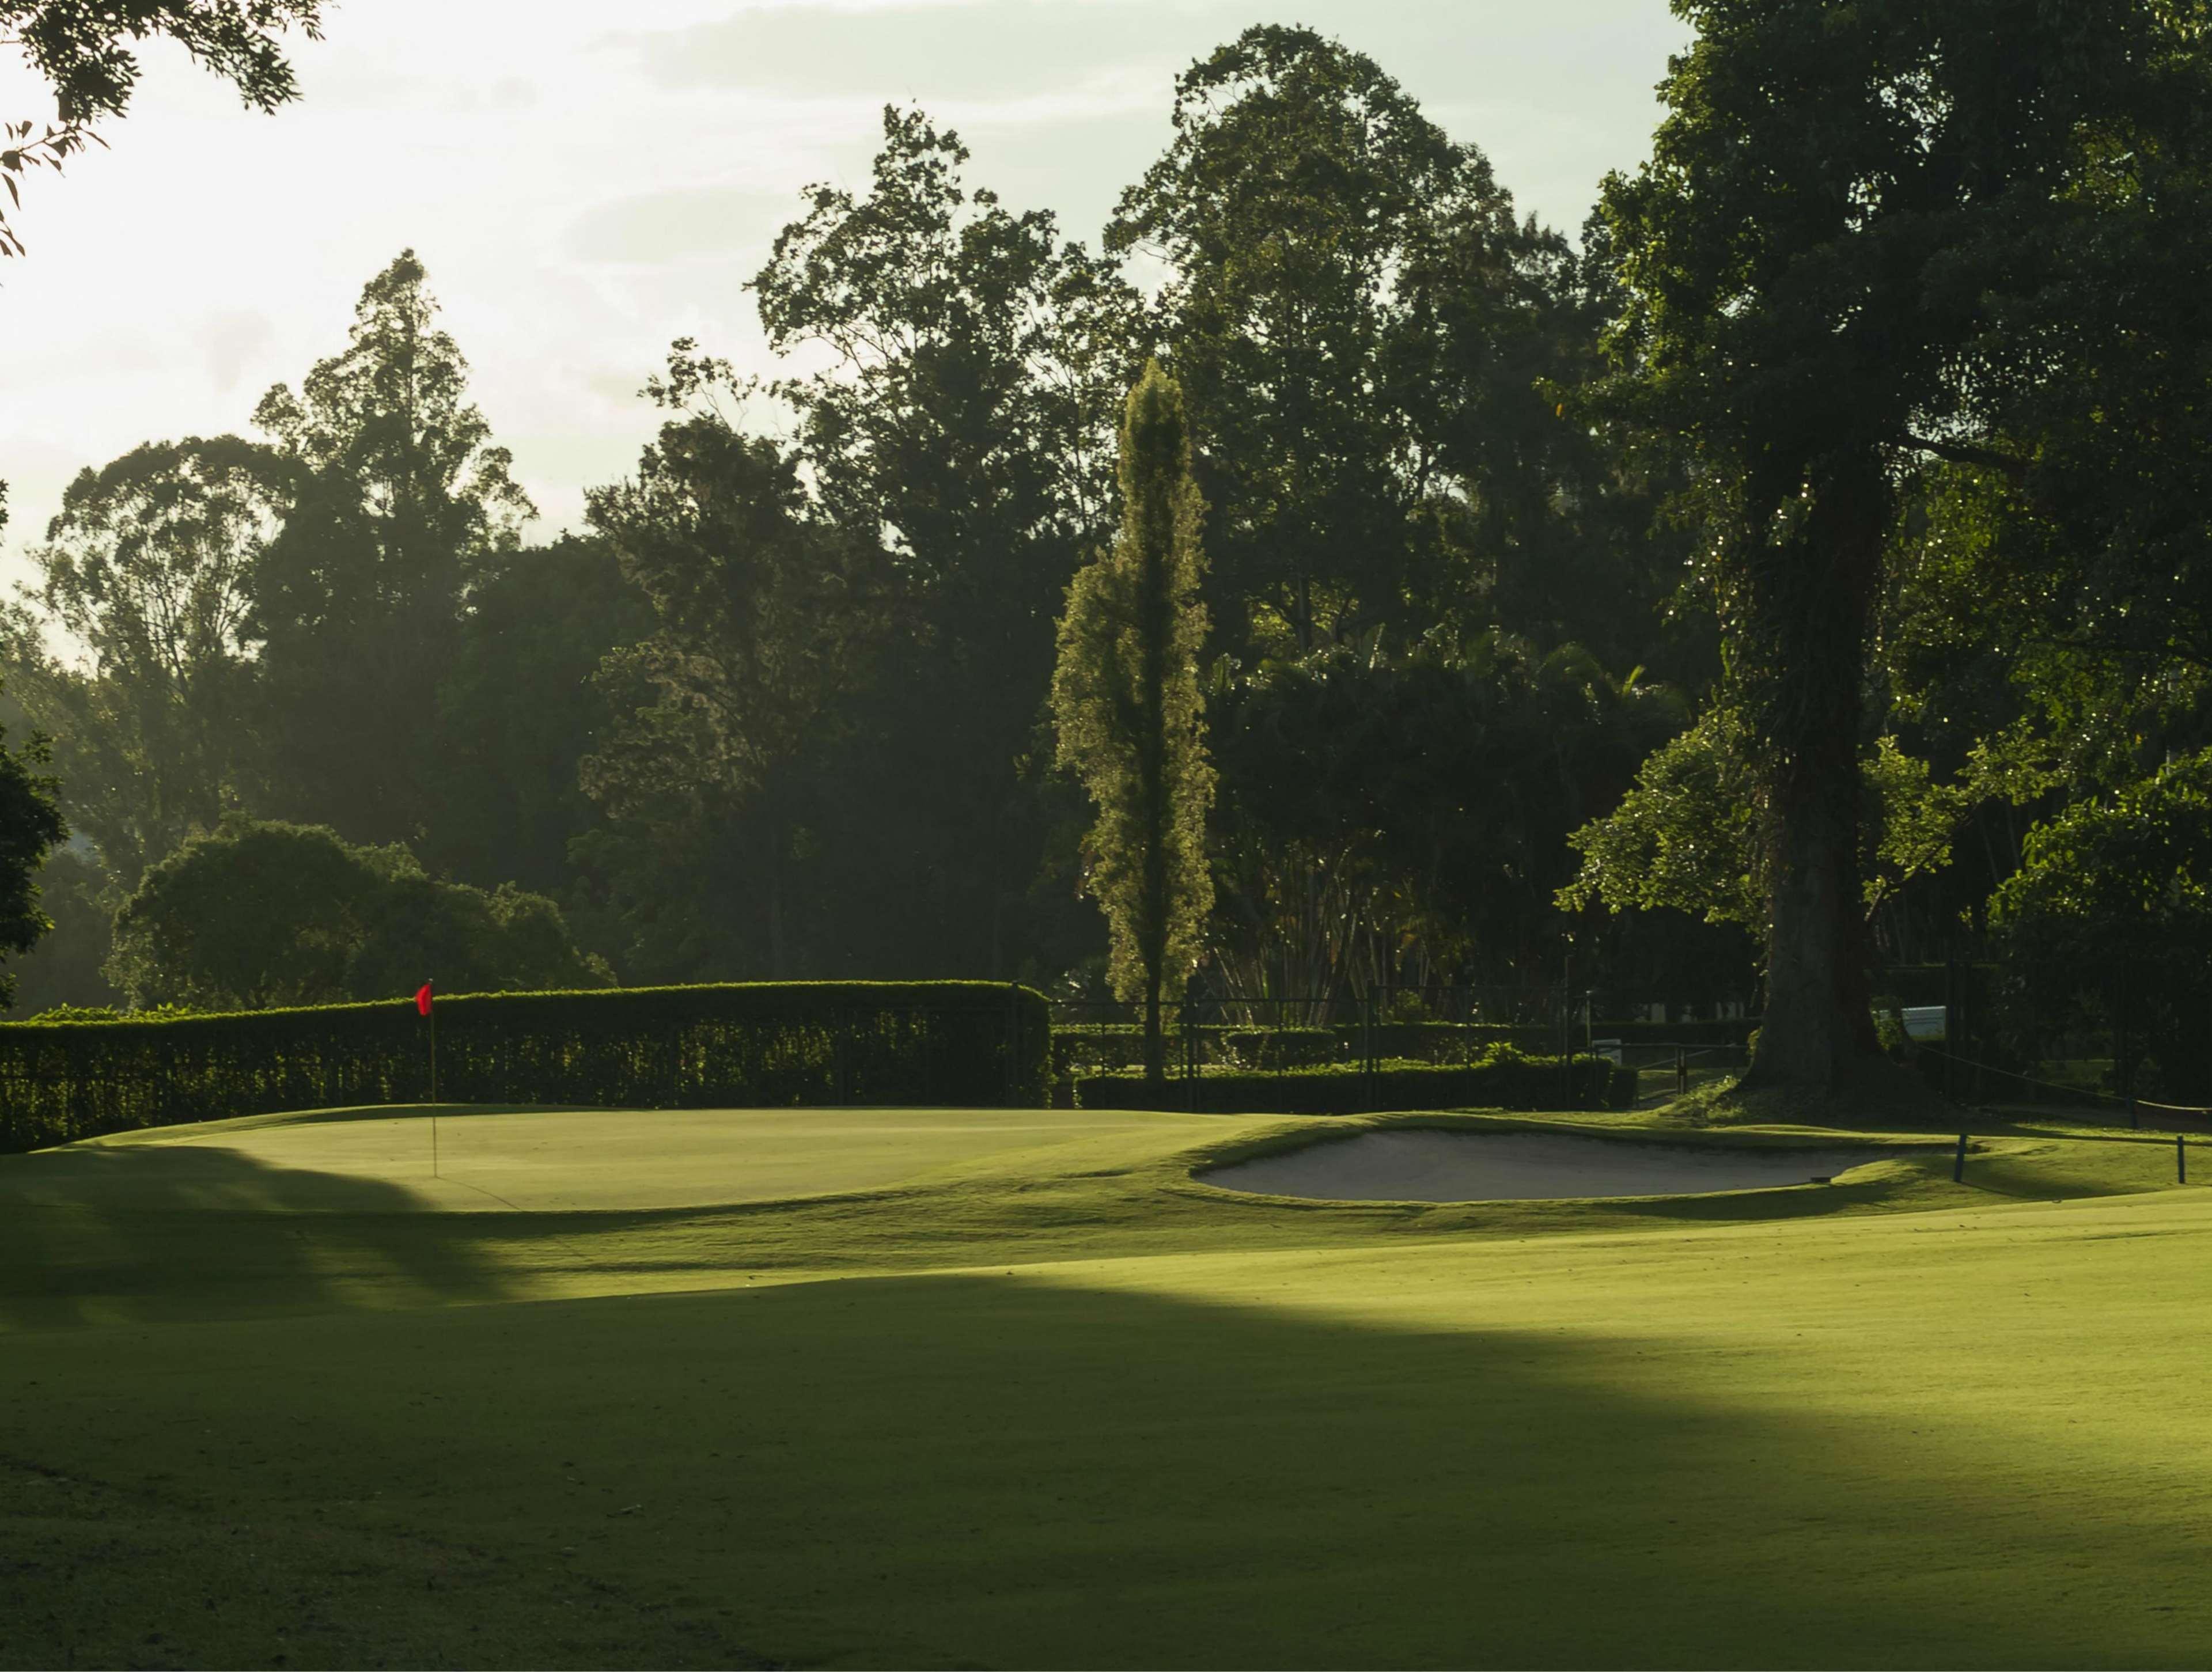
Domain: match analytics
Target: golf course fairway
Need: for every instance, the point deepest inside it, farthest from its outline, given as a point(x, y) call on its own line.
point(858, 1388)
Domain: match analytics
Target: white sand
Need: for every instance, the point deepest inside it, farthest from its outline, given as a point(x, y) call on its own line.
point(1525, 1167)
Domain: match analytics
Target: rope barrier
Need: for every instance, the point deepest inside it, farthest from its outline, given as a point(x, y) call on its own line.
point(2121, 1103)
point(2027, 1079)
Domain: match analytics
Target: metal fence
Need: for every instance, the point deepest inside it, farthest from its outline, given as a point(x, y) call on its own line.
point(1364, 1030)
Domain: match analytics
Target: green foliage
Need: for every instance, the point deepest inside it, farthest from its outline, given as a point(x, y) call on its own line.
point(1392, 815)
point(400, 501)
point(64, 969)
point(1131, 719)
point(977, 365)
point(2112, 913)
point(1504, 1078)
point(259, 914)
point(1449, 1042)
point(519, 710)
point(1283, 1048)
point(31, 826)
point(762, 611)
point(148, 570)
point(757, 1046)
point(1361, 324)
point(1687, 837)
point(759, 606)
point(84, 55)
point(1849, 247)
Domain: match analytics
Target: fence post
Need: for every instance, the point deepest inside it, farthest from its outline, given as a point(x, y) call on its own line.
point(1567, 1027)
point(2123, 1062)
point(1952, 1033)
point(1367, 1049)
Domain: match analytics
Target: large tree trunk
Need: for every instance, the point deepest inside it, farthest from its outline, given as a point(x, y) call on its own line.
point(1811, 597)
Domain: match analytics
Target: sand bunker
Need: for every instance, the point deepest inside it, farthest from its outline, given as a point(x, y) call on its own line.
point(1525, 1166)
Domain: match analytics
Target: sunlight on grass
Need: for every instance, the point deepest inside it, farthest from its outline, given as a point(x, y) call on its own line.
point(1059, 1405)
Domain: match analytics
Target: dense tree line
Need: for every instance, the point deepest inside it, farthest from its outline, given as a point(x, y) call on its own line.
point(1797, 573)
point(782, 709)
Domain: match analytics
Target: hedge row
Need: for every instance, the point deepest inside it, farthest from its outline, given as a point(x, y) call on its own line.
point(740, 1045)
point(1506, 1081)
point(1095, 1047)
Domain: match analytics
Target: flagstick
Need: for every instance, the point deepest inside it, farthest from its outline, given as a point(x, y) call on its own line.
point(434, 1085)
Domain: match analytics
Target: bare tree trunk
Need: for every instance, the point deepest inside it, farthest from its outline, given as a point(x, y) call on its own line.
point(1811, 599)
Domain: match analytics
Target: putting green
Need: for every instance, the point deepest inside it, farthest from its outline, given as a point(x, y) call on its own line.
point(1056, 1404)
point(564, 1160)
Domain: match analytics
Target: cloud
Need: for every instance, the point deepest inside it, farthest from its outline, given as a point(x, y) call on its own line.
point(686, 224)
point(235, 338)
point(949, 48)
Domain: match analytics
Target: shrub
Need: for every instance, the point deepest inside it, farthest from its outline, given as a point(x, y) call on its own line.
point(1503, 1080)
point(1283, 1048)
point(762, 1045)
point(258, 914)
point(1449, 1042)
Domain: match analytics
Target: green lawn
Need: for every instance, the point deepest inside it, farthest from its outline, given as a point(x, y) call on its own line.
point(984, 1387)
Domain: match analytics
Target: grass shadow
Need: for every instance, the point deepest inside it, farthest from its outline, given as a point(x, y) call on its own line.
point(964, 1470)
point(95, 1232)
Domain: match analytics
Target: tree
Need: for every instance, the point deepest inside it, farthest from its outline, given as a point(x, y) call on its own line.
point(2112, 912)
point(966, 422)
point(83, 54)
point(148, 567)
point(76, 896)
point(1820, 261)
point(1361, 324)
point(519, 711)
point(1685, 838)
point(31, 825)
point(761, 608)
point(1400, 814)
point(399, 501)
point(258, 913)
point(1131, 719)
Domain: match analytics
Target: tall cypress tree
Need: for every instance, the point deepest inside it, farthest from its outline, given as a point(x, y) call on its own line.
point(1126, 699)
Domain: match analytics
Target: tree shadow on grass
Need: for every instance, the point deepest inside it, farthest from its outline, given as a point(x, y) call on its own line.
point(974, 1470)
point(182, 1231)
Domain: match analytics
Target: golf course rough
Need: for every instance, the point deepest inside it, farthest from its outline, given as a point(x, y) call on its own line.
point(1004, 1387)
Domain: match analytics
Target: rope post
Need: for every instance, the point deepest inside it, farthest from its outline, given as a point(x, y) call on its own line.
point(1959, 1161)
point(2181, 1157)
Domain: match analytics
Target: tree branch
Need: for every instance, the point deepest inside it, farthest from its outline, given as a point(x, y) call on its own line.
point(1964, 453)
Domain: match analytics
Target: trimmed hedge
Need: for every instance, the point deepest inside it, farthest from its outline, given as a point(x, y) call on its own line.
point(1506, 1081)
point(740, 1045)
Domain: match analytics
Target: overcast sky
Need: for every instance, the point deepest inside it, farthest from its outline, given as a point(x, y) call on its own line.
point(584, 182)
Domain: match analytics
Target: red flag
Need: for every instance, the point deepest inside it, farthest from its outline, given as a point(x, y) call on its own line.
point(422, 998)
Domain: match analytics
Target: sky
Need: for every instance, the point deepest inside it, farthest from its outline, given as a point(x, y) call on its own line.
point(584, 182)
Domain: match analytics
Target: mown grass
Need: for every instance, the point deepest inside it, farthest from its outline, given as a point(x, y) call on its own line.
point(1054, 1404)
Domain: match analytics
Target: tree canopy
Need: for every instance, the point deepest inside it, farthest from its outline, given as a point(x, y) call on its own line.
point(87, 56)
